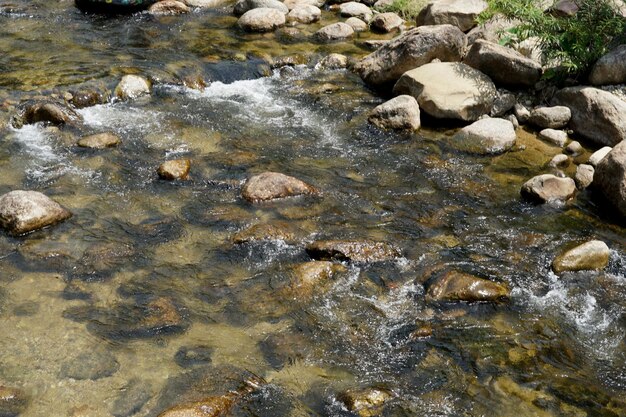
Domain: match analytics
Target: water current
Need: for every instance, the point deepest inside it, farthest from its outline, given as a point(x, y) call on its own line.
point(74, 298)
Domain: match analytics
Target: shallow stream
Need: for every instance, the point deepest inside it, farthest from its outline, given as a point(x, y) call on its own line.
point(74, 298)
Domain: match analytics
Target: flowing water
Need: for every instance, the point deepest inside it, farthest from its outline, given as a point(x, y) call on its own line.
point(77, 299)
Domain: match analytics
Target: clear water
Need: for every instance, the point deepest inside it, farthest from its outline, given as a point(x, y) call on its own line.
point(80, 289)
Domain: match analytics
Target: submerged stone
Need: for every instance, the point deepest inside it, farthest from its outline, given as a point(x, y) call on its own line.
point(13, 401)
point(272, 185)
point(592, 255)
point(366, 402)
point(264, 232)
point(459, 286)
point(356, 251)
point(190, 356)
point(99, 141)
point(94, 364)
point(22, 212)
point(132, 398)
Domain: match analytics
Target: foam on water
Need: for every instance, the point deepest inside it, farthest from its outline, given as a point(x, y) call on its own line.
point(121, 118)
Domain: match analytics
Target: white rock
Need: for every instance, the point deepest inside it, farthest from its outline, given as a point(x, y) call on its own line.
point(554, 136)
point(131, 87)
point(599, 155)
point(486, 136)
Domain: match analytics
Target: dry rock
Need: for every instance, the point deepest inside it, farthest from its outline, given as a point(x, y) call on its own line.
point(548, 188)
point(399, 113)
point(22, 212)
point(271, 185)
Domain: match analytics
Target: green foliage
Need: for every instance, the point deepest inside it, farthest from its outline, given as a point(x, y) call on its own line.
point(570, 45)
point(407, 9)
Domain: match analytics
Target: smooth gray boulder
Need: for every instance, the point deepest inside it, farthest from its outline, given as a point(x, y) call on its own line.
point(304, 13)
point(555, 117)
point(357, 24)
point(548, 188)
point(592, 255)
point(486, 137)
point(243, 6)
point(22, 212)
point(503, 65)
point(334, 32)
point(596, 115)
point(262, 19)
point(399, 113)
point(610, 177)
point(410, 50)
point(460, 13)
point(449, 90)
point(611, 68)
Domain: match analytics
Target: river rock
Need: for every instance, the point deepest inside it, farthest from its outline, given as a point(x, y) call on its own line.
point(131, 87)
point(564, 8)
point(584, 176)
point(521, 112)
point(354, 9)
point(291, 4)
point(304, 13)
point(459, 286)
point(168, 7)
point(399, 113)
point(611, 68)
point(610, 177)
point(365, 402)
point(555, 117)
point(410, 50)
point(13, 401)
point(334, 32)
point(22, 212)
point(596, 115)
point(591, 255)
point(560, 161)
point(334, 61)
point(574, 148)
point(503, 103)
point(88, 97)
point(386, 22)
point(206, 3)
point(486, 136)
point(554, 136)
point(93, 364)
point(349, 250)
point(243, 6)
point(99, 141)
point(190, 356)
point(262, 19)
point(460, 13)
point(271, 185)
point(599, 155)
point(132, 398)
point(309, 276)
point(47, 111)
point(449, 90)
point(357, 24)
point(265, 231)
point(176, 169)
point(504, 65)
point(548, 188)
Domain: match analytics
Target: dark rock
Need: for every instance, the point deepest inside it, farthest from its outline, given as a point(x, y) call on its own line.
point(188, 357)
point(271, 185)
point(13, 401)
point(93, 364)
point(356, 251)
point(44, 111)
point(22, 212)
point(132, 398)
point(87, 98)
point(459, 286)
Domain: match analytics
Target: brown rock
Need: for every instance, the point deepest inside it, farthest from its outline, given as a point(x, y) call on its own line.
point(13, 401)
point(176, 169)
point(367, 402)
point(459, 286)
point(271, 185)
point(335, 32)
point(356, 251)
point(308, 276)
point(592, 255)
point(548, 188)
point(44, 111)
point(265, 231)
point(22, 212)
point(99, 141)
point(168, 7)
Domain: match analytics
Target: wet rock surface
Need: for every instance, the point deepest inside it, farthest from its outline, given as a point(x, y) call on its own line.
point(449, 90)
point(99, 141)
point(272, 185)
point(590, 255)
point(356, 251)
point(175, 169)
point(22, 212)
point(95, 364)
point(365, 402)
point(131, 87)
point(51, 112)
point(548, 188)
point(459, 286)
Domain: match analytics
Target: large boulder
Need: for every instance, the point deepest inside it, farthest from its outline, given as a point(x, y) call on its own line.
point(262, 19)
point(354, 9)
point(460, 13)
point(548, 188)
point(611, 68)
point(271, 185)
point(243, 6)
point(399, 113)
point(459, 286)
point(449, 90)
point(352, 250)
point(414, 48)
point(486, 136)
point(334, 32)
point(610, 177)
point(22, 212)
point(504, 65)
point(597, 115)
point(591, 255)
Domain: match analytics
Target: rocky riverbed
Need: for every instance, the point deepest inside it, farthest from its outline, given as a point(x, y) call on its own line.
point(304, 209)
